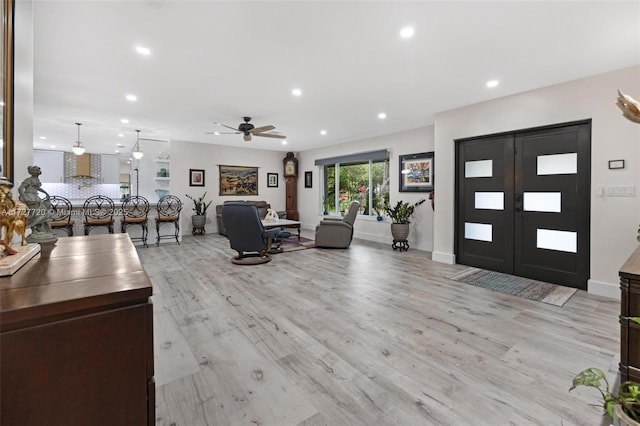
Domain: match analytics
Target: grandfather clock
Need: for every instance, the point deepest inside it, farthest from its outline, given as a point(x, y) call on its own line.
point(291, 180)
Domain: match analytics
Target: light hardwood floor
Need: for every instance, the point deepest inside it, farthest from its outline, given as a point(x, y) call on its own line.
point(363, 336)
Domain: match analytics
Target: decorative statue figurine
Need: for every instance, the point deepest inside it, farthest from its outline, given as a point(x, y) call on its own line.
point(630, 107)
point(271, 216)
point(38, 208)
point(13, 216)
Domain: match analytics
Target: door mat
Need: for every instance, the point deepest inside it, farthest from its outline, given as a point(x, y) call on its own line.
point(293, 244)
point(539, 291)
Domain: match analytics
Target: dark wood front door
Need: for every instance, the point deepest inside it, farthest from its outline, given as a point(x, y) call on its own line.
point(523, 203)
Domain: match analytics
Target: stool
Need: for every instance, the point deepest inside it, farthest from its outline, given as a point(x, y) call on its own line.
point(98, 211)
point(60, 215)
point(169, 208)
point(134, 212)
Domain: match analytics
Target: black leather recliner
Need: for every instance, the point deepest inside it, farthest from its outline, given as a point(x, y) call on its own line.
point(247, 235)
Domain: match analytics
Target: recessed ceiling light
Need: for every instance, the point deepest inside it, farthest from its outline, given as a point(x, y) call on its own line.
point(323, 132)
point(124, 121)
point(119, 145)
point(43, 137)
point(121, 135)
point(382, 116)
point(53, 146)
point(131, 98)
point(492, 83)
point(407, 32)
point(216, 133)
point(128, 162)
point(117, 151)
point(143, 50)
point(284, 142)
point(296, 92)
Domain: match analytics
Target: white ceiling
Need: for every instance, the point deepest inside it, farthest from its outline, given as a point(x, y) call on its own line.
point(219, 61)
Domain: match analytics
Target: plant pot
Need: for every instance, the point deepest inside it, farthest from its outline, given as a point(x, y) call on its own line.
point(400, 231)
point(620, 418)
point(198, 221)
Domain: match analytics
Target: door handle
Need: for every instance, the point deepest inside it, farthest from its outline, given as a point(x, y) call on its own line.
point(518, 203)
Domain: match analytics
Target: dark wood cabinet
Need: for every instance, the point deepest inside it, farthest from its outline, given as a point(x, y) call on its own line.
point(630, 307)
point(76, 337)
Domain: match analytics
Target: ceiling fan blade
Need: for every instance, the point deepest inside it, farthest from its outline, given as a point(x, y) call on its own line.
point(153, 140)
point(247, 137)
point(261, 129)
point(224, 125)
point(270, 135)
point(222, 133)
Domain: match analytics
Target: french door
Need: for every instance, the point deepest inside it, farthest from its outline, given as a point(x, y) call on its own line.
point(523, 203)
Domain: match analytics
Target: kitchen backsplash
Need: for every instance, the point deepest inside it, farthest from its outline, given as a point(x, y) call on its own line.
point(83, 189)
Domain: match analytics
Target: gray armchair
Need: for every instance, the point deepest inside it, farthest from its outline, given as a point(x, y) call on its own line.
point(247, 235)
point(337, 232)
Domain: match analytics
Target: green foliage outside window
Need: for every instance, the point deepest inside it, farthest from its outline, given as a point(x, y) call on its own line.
point(354, 184)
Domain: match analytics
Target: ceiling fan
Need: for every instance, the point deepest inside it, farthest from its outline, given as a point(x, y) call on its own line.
point(249, 130)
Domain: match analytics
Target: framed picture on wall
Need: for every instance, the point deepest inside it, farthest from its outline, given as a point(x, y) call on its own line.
point(308, 179)
point(416, 172)
point(238, 180)
point(196, 177)
point(272, 180)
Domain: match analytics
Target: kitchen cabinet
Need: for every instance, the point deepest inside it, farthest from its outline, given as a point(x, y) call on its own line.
point(51, 164)
point(110, 169)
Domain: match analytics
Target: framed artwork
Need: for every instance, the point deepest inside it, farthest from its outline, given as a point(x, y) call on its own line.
point(308, 179)
point(6, 90)
point(272, 180)
point(416, 172)
point(196, 177)
point(238, 180)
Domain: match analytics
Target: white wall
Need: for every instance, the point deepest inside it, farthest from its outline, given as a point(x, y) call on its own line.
point(407, 142)
point(191, 155)
point(614, 221)
point(23, 91)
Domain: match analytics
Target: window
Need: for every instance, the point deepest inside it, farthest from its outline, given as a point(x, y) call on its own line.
point(360, 177)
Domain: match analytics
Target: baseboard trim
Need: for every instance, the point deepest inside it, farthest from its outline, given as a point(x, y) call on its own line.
point(600, 288)
point(441, 257)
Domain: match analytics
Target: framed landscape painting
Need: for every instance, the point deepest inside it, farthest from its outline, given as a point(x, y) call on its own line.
point(416, 172)
point(238, 180)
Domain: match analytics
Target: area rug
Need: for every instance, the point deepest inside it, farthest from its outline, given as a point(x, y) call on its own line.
point(293, 244)
point(552, 294)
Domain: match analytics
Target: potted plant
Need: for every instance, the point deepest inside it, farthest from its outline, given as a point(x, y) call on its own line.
point(623, 408)
point(199, 218)
point(379, 202)
point(400, 215)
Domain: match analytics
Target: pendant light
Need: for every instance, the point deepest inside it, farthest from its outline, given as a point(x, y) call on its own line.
point(78, 149)
point(137, 151)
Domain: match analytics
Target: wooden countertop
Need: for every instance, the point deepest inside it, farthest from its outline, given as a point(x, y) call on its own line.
point(76, 273)
point(631, 268)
